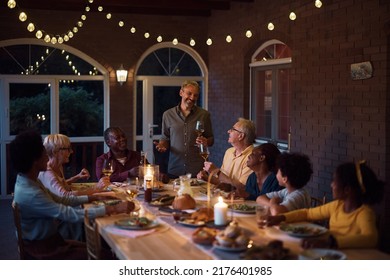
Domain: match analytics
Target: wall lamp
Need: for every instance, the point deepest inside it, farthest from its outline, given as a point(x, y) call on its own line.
point(121, 75)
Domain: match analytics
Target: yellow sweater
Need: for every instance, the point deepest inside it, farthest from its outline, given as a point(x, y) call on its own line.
point(351, 230)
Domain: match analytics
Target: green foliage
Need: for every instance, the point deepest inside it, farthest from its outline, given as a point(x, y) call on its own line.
point(80, 113)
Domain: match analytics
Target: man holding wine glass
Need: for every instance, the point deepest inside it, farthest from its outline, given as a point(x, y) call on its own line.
point(234, 169)
point(182, 135)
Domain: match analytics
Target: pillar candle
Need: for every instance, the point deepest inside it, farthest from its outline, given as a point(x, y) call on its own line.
point(220, 212)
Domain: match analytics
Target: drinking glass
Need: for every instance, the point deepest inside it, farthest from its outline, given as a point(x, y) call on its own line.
point(204, 152)
point(107, 168)
point(262, 213)
point(199, 128)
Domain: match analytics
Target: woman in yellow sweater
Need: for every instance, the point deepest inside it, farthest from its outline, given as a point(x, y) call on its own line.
point(352, 222)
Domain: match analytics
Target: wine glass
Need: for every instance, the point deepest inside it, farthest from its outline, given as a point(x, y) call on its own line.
point(108, 169)
point(199, 128)
point(204, 151)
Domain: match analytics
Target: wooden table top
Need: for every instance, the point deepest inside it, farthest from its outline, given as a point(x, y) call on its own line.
point(170, 241)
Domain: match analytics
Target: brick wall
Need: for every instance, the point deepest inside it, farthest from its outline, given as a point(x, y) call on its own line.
point(334, 119)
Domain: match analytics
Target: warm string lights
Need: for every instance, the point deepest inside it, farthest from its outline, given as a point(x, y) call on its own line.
point(54, 39)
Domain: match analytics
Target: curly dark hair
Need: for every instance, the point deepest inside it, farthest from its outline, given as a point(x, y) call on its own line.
point(370, 191)
point(296, 167)
point(112, 130)
point(26, 148)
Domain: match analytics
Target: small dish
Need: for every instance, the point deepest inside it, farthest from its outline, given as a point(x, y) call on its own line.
point(243, 208)
point(303, 229)
point(136, 223)
point(218, 246)
point(322, 254)
point(191, 223)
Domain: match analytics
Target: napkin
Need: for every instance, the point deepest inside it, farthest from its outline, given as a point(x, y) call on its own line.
point(128, 233)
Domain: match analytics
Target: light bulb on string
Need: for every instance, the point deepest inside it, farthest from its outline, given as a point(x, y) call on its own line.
point(11, 4)
point(75, 29)
point(80, 24)
point(146, 35)
point(318, 4)
point(271, 26)
point(53, 40)
point(132, 29)
point(159, 39)
point(175, 41)
point(209, 42)
point(90, 1)
point(60, 40)
point(87, 8)
point(108, 16)
point(248, 33)
point(70, 34)
point(66, 38)
point(100, 8)
point(47, 38)
point(229, 38)
point(121, 23)
point(83, 17)
point(22, 16)
point(31, 27)
point(38, 34)
point(292, 16)
point(192, 42)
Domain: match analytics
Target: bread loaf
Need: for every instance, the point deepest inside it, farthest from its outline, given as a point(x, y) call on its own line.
point(183, 202)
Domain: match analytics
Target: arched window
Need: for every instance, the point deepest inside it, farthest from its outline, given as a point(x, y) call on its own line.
point(159, 74)
point(271, 92)
point(53, 89)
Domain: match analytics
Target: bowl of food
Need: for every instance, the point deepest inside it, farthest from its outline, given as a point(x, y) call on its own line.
point(322, 254)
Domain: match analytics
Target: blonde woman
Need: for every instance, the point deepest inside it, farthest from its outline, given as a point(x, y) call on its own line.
point(59, 149)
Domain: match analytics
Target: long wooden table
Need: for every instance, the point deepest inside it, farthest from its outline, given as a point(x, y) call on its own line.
point(170, 241)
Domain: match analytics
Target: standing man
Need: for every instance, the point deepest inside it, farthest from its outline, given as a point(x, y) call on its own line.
point(178, 132)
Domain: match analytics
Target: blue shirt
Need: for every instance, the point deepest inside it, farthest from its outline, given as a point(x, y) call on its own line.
point(39, 209)
point(270, 185)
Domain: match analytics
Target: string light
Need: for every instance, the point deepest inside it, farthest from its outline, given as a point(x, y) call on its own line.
point(70, 34)
point(292, 16)
point(318, 4)
point(175, 41)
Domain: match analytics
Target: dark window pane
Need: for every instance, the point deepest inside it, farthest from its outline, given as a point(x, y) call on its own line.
point(29, 107)
point(81, 108)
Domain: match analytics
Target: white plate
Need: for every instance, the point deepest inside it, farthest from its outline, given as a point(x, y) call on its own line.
point(303, 229)
point(128, 224)
point(218, 246)
point(249, 211)
point(322, 254)
point(189, 223)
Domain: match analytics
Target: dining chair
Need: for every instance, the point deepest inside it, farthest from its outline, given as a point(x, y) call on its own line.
point(23, 255)
point(92, 238)
point(316, 201)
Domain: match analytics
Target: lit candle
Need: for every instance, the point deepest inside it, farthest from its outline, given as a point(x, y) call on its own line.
point(148, 178)
point(220, 212)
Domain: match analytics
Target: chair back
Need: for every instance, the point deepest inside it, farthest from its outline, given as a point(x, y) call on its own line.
point(17, 221)
point(92, 238)
point(315, 201)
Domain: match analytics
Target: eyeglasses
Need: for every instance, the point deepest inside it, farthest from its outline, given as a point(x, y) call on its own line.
point(235, 129)
point(69, 149)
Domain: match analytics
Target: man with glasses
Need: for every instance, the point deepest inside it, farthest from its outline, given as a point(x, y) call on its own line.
point(234, 169)
point(179, 135)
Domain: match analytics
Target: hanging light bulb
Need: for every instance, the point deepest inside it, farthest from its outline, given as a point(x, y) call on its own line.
point(83, 17)
point(159, 39)
point(108, 16)
point(60, 40)
point(100, 8)
point(47, 38)
point(271, 26)
point(132, 29)
point(90, 1)
point(87, 8)
point(70, 34)
point(229, 38)
point(80, 24)
point(22, 16)
point(192, 42)
point(75, 29)
point(39, 34)
point(292, 16)
point(248, 33)
point(53, 40)
point(11, 4)
point(66, 38)
point(146, 35)
point(31, 27)
point(318, 4)
point(209, 42)
point(121, 23)
point(175, 41)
